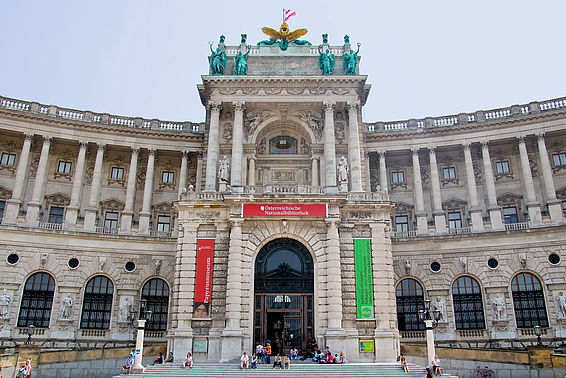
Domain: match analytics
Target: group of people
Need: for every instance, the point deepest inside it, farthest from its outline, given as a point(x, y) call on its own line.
point(326, 357)
point(25, 370)
point(159, 359)
point(431, 370)
point(251, 363)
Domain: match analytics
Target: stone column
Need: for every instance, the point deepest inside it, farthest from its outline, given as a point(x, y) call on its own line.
point(145, 214)
point(92, 209)
point(183, 174)
point(329, 148)
point(382, 172)
point(237, 146)
point(420, 214)
point(334, 278)
point(251, 174)
point(437, 212)
point(385, 308)
point(184, 289)
point(554, 204)
point(367, 156)
point(533, 205)
point(354, 147)
point(13, 204)
point(314, 171)
point(32, 215)
point(232, 333)
point(74, 206)
point(198, 186)
point(127, 214)
point(475, 210)
point(212, 150)
point(494, 209)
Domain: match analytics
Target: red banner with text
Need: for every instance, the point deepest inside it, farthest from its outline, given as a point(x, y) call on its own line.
point(271, 210)
point(203, 279)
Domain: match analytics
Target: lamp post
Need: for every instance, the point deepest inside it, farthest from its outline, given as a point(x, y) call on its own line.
point(145, 315)
point(538, 333)
point(31, 331)
point(430, 319)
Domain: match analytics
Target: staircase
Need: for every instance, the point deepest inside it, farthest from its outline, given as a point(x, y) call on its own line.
point(298, 369)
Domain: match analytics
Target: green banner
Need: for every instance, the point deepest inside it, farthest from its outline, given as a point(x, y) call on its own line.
point(364, 281)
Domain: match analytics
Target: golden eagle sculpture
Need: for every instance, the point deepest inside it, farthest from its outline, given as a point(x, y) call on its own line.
point(284, 36)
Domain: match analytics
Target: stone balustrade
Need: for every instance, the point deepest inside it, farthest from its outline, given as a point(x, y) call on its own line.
point(99, 118)
point(467, 118)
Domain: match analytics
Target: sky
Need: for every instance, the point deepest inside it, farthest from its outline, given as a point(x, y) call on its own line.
point(144, 58)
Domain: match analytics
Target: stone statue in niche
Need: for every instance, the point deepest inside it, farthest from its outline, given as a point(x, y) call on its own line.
point(343, 169)
point(4, 304)
point(66, 308)
point(408, 267)
point(561, 305)
point(440, 306)
point(499, 310)
point(224, 171)
point(125, 308)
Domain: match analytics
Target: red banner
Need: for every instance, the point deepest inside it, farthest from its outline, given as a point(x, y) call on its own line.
point(203, 279)
point(279, 210)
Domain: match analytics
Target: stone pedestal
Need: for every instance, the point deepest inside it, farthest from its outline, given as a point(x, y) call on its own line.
point(32, 215)
point(386, 345)
point(422, 224)
point(496, 218)
point(535, 215)
point(477, 220)
point(64, 330)
point(90, 219)
point(231, 345)
point(343, 186)
point(555, 211)
point(143, 228)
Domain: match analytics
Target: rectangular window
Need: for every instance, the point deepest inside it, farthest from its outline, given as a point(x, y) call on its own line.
point(64, 167)
point(449, 173)
point(454, 219)
point(559, 159)
point(167, 178)
point(563, 208)
point(510, 215)
point(398, 177)
point(163, 223)
point(8, 159)
point(502, 167)
point(111, 220)
point(401, 223)
point(3, 205)
point(117, 173)
point(56, 215)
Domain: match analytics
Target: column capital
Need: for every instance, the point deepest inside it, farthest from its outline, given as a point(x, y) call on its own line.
point(47, 139)
point(252, 158)
point(185, 154)
point(415, 150)
point(83, 144)
point(540, 135)
point(29, 136)
point(214, 106)
point(484, 144)
point(467, 146)
point(135, 150)
point(432, 150)
point(236, 222)
point(521, 139)
point(328, 106)
point(353, 107)
point(381, 152)
point(101, 146)
point(332, 222)
point(239, 106)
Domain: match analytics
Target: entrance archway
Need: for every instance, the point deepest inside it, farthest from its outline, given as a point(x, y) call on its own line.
point(284, 288)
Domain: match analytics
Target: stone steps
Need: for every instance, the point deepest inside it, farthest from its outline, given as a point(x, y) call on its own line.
point(384, 370)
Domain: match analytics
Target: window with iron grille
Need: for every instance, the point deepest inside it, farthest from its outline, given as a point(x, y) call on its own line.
point(156, 293)
point(410, 300)
point(37, 301)
point(56, 214)
point(8, 159)
point(528, 301)
point(468, 305)
point(97, 303)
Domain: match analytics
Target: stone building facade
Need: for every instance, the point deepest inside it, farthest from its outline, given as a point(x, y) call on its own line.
point(283, 180)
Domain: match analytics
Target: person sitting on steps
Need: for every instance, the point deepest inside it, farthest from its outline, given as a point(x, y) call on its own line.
point(188, 361)
point(286, 362)
point(244, 361)
point(277, 362)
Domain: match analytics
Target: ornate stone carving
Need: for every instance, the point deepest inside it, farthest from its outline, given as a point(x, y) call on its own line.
point(5, 193)
point(66, 312)
point(261, 147)
point(305, 148)
point(499, 308)
point(339, 133)
point(57, 199)
point(125, 307)
point(227, 132)
point(5, 301)
point(253, 120)
point(560, 301)
point(440, 306)
point(314, 122)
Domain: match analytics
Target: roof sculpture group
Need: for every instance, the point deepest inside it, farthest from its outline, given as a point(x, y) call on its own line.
point(283, 37)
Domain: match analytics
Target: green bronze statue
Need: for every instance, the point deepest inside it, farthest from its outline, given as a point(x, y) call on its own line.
point(325, 39)
point(326, 61)
point(244, 38)
point(217, 60)
point(241, 62)
point(350, 61)
point(346, 39)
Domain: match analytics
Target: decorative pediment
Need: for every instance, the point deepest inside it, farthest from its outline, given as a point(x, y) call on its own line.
point(454, 204)
point(5, 193)
point(561, 193)
point(112, 204)
point(58, 199)
point(509, 199)
point(403, 208)
point(163, 207)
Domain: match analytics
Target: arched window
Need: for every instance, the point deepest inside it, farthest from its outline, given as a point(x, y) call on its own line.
point(97, 303)
point(410, 300)
point(468, 305)
point(156, 293)
point(528, 301)
point(284, 145)
point(37, 301)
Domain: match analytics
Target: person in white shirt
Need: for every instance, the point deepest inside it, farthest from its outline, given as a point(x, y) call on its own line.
point(436, 369)
point(244, 361)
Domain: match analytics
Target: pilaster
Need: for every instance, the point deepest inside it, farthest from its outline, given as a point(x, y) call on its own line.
point(237, 145)
point(354, 147)
point(74, 206)
point(438, 213)
point(13, 204)
point(213, 146)
point(554, 205)
point(420, 214)
point(533, 205)
point(32, 215)
point(145, 214)
point(127, 214)
point(92, 209)
point(329, 148)
point(494, 209)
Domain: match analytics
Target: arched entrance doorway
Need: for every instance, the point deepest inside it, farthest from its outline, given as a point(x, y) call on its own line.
point(284, 288)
